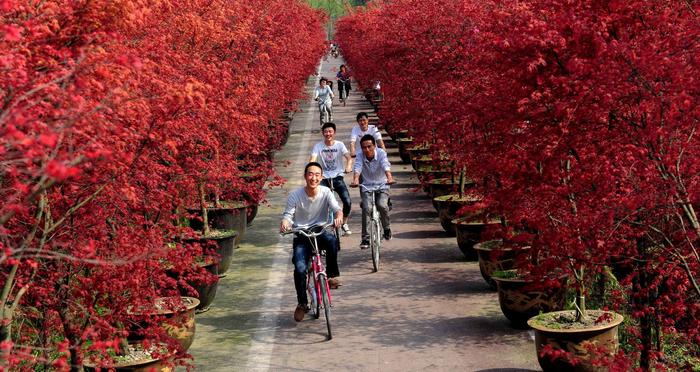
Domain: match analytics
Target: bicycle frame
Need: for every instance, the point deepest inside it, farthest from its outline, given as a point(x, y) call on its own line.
point(317, 268)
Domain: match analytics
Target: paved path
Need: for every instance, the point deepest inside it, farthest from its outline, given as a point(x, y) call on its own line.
point(426, 309)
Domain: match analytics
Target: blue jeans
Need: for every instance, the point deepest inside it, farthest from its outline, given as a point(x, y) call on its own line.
point(342, 190)
point(301, 258)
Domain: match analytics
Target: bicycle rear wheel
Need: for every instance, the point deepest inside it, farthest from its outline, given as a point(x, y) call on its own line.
point(326, 303)
point(312, 293)
point(374, 243)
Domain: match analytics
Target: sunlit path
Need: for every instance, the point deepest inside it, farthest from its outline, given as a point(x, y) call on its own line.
point(427, 308)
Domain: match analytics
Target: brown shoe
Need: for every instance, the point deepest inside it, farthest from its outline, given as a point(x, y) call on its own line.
point(299, 313)
point(334, 283)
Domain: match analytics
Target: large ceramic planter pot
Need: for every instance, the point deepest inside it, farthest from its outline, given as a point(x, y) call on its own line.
point(520, 300)
point(225, 244)
point(431, 172)
point(448, 205)
point(404, 144)
point(418, 150)
point(440, 187)
point(495, 256)
point(469, 232)
point(179, 323)
point(136, 361)
point(207, 292)
point(226, 216)
point(251, 212)
point(577, 341)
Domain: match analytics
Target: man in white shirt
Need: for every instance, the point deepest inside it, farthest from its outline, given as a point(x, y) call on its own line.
point(330, 153)
point(324, 95)
point(362, 128)
point(307, 206)
point(374, 167)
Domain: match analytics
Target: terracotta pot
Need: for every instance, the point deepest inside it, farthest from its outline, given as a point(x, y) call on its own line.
point(520, 300)
point(226, 243)
point(448, 205)
point(469, 232)
point(578, 342)
point(494, 256)
point(418, 150)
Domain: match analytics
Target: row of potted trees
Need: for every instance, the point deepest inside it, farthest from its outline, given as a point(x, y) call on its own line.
point(575, 128)
point(134, 147)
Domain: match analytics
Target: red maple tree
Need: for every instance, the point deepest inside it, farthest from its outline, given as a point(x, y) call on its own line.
point(113, 114)
point(579, 117)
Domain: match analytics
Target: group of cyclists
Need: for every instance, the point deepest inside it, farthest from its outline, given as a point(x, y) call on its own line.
point(315, 204)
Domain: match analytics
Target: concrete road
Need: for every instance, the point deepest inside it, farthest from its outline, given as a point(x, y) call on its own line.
point(426, 309)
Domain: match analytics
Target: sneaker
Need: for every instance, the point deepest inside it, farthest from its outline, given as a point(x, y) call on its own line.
point(346, 229)
point(334, 283)
point(387, 234)
point(364, 244)
point(300, 312)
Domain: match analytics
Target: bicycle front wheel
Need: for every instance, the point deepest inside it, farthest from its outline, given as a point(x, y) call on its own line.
point(326, 302)
point(375, 241)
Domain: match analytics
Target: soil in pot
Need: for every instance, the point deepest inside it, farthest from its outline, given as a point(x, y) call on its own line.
point(136, 359)
point(593, 340)
point(469, 230)
point(495, 256)
point(522, 299)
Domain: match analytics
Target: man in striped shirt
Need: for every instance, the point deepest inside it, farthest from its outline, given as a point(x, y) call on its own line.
point(374, 167)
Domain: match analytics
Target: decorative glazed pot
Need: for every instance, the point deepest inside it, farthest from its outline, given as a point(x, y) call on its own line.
point(578, 342)
point(495, 256)
point(522, 299)
point(469, 231)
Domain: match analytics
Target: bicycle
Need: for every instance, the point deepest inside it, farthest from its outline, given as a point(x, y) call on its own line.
point(316, 279)
point(375, 226)
point(325, 111)
point(342, 92)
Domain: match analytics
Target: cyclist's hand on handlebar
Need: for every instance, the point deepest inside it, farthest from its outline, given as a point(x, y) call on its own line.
point(354, 184)
point(285, 226)
point(391, 182)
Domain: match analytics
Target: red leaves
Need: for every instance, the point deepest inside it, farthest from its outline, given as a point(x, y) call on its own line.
point(114, 113)
point(580, 120)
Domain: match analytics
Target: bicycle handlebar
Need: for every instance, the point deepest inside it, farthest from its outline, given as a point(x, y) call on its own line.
point(309, 231)
point(361, 185)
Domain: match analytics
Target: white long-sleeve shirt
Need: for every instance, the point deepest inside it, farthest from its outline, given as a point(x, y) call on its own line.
point(324, 95)
point(373, 171)
point(303, 211)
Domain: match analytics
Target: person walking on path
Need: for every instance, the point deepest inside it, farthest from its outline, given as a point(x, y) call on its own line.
point(374, 167)
point(363, 128)
point(330, 153)
point(323, 94)
point(307, 206)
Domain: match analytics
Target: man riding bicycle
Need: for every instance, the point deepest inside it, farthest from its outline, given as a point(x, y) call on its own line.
point(324, 95)
point(362, 128)
point(307, 206)
point(330, 154)
point(374, 167)
point(343, 78)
